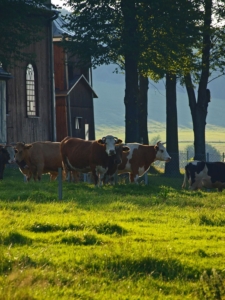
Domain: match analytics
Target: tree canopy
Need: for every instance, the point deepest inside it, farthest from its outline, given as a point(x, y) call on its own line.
point(143, 37)
point(21, 24)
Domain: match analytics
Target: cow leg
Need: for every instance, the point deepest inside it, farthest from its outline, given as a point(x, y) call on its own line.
point(95, 176)
point(134, 178)
point(34, 173)
point(40, 169)
point(131, 177)
point(28, 176)
point(53, 176)
point(101, 178)
point(67, 173)
point(75, 176)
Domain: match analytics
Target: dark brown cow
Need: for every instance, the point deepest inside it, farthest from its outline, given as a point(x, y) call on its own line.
point(38, 158)
point(140, 158)
point(6, 157)
point(90, 156)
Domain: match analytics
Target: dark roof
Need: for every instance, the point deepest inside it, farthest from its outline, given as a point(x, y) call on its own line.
point(72, 85)
point(3, 74)
point(58, 28)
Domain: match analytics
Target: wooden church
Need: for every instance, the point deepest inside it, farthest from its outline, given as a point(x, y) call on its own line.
point(48, 98)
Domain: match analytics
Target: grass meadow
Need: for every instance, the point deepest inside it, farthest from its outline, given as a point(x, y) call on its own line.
point(116, 242)
point(214, 135)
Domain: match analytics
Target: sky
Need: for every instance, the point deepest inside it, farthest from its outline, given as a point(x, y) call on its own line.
point(59, 2)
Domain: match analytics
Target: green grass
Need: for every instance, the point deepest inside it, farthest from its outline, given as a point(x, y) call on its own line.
point(115, 242)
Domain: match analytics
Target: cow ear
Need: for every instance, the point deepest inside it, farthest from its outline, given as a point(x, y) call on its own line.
point(126, 149)
point(119, 141)
point(156, 147)
point(100, 142)
point(28, 146)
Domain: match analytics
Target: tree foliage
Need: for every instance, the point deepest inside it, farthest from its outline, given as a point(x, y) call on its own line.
point(21, 24)
point(210, 56)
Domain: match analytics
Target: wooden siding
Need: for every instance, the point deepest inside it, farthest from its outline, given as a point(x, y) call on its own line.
point(19, 126)
point(59, 67)
point(81, 98)
point(81, 103)
point(61, 118)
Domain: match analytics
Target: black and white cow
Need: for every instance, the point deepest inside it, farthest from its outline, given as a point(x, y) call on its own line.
point(201, 174)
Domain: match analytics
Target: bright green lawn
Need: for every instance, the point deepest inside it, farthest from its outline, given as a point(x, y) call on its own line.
point(116, 242)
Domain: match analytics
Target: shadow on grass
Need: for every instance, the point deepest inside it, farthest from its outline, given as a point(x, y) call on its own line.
point(7, 264)
point(161, 190)
point(15, 238)
point(168, 269)
point(86, 240)
point(102, 228)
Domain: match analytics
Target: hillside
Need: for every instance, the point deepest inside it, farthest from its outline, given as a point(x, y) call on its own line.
point(110, 109)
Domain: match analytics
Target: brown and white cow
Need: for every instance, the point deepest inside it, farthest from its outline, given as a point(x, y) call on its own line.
point(201, 174)
point(91, 156)
point(140, 158)
point(38, 158)
point(6, 157)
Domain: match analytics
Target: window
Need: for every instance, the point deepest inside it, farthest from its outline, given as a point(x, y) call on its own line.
point(78, 122)
point(31, 91)
point(86, 131)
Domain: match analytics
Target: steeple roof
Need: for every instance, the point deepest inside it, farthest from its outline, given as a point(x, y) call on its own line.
point(58, 28)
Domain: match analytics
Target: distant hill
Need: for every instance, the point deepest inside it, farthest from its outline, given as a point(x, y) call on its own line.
point(110, 110)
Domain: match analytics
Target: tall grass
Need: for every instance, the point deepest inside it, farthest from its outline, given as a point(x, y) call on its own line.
point(115, 242)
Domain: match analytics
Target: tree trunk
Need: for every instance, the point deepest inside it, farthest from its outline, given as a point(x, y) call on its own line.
point(199, 109)
point(171, 168)
point(199, 114)
point(131, 52)
point(143, 109)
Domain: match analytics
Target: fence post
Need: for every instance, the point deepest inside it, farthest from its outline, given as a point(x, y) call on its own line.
point(223, 157)
point(146, 178)
point(60, 183)
point(85, 176)
point(207, 157)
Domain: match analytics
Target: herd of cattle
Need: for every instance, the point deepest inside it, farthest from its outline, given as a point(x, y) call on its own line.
point(102, 158)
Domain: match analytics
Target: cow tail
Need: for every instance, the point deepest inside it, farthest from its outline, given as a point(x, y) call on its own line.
point(185, 179)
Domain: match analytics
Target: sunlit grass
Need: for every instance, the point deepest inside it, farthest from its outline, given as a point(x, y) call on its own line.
point(185, 135)
point(114, 242)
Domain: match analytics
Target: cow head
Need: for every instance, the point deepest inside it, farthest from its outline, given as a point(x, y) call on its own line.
point(161, 153)
point(21, 152)
point(120, 149)
point(110, 142)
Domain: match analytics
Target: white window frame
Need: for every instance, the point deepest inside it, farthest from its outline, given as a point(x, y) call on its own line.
point(31, 97)
point(78, 123)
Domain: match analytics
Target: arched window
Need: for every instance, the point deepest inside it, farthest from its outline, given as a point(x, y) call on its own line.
point(31, 94)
